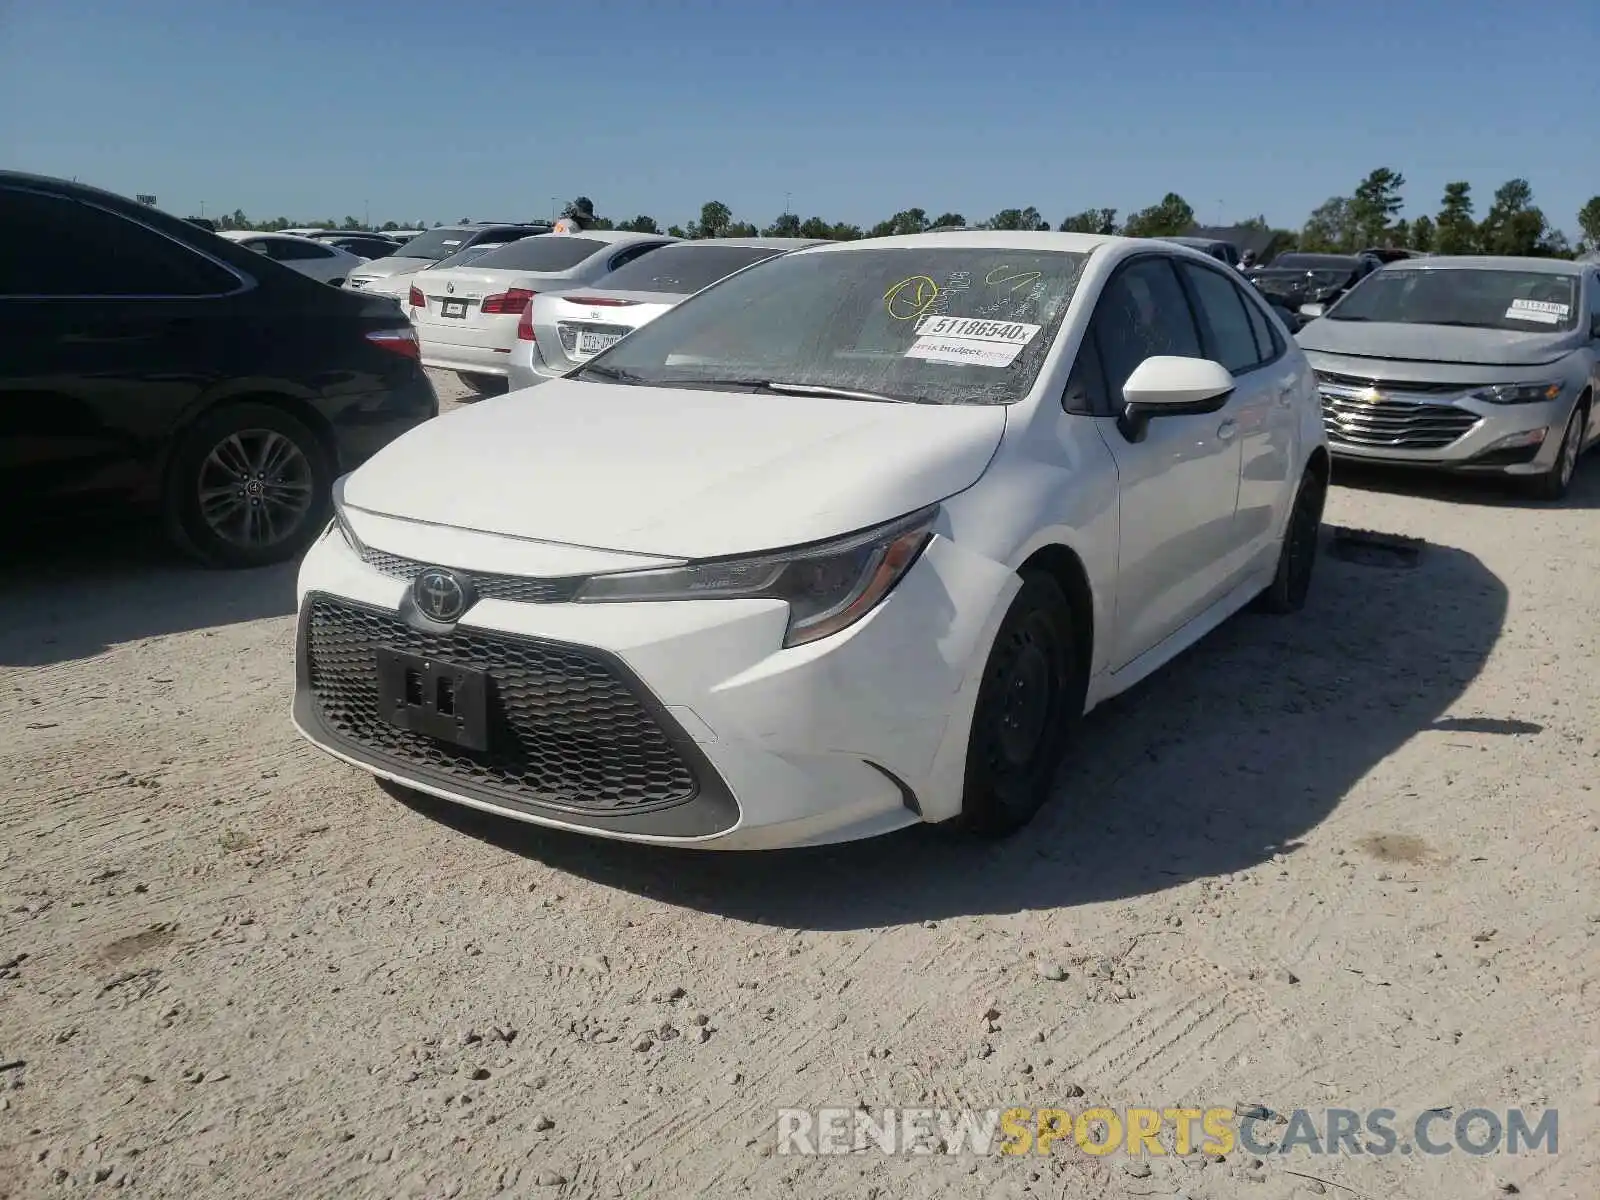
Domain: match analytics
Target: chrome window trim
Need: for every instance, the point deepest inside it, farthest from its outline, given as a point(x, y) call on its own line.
point(246, 282)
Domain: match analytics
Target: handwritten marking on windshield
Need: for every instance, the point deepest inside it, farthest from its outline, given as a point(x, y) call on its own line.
point(911, 298)
point(1018, 280)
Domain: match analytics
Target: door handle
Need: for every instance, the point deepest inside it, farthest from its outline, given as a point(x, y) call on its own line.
point(1227, 430)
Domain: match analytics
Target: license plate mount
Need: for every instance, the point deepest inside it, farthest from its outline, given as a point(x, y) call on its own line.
point(453, 308)
point(437, 699)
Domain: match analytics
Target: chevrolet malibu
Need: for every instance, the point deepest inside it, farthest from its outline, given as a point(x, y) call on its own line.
point(848, 541)
point(1478, 365)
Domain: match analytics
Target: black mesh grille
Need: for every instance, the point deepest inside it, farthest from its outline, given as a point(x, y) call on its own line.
point(522, 589)
point(566, 730)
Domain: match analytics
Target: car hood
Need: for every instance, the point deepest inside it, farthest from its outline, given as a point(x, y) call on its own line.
point(382, 268)
point(1435, 343)
point(672, 472)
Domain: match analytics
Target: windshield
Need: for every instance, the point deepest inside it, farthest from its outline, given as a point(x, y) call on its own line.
point(681, 270)
point(435, 244)
point(1483, 297)
point(937, 326)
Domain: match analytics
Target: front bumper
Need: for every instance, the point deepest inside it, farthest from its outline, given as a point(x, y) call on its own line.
point(713, 735)
point(1442, 429)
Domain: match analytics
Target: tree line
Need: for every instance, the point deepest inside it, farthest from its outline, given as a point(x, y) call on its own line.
point(1368, 217)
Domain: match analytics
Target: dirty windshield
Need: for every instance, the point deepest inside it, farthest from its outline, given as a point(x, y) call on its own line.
point(935, 325)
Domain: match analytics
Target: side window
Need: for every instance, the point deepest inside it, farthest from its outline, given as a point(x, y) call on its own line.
point(1142, 312)
point(498, 237)
point(72, 249)
point(1229, 336)
point(287, 251)
point(1086, 393)
point(1268, 344)
point(631, 253)
point(1594, 297)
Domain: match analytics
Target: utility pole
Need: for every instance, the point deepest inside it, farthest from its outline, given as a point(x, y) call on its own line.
point(552, 208)
point(367, 213)
point(787, 197)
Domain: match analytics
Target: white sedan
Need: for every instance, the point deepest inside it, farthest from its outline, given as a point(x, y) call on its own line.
point(317, 259)
point(846, 542)
point(468, 318)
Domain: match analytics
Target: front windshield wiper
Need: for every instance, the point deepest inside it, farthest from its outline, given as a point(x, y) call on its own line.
point(611, 374)
point(786, 389)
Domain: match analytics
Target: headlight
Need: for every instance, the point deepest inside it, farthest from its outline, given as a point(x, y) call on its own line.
point(828, 586)
point(339, 519)
point(1519, 393)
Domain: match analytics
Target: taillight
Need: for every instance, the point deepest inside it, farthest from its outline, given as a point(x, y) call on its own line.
point(525, 325)
point(397, 341)
point(414, 297)
point(505, 303)
point(598, 301)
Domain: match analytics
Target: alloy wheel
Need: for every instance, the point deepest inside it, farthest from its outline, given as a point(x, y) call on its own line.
point(255, 488)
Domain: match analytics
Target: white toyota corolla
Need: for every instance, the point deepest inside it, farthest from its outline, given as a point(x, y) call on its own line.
point(848, 541)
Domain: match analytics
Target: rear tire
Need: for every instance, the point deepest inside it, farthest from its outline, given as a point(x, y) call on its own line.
point(1555, 482)
point(484, 385)
point(1297, 559)
point(248, 486)
point(1029, 704)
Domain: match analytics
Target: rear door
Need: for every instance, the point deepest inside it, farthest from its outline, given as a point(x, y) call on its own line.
point(109, 329)
point(1236, 333)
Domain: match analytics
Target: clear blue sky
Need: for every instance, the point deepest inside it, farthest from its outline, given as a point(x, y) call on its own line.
point(856, 109)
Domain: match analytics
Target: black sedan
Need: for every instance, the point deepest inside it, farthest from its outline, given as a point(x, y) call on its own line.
point(1294, 279)
point(147, 364)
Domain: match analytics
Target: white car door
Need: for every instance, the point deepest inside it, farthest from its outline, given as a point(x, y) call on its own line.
point(1267, 385)
point(1179, 483)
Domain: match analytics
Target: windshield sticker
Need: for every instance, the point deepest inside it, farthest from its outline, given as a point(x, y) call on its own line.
point(448, 242)
point(1542, 311)
point(972, 329)
point(911, 298)
point(964, 350)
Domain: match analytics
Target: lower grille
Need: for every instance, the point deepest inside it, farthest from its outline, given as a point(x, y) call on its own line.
point(1393, 424)
point(567, 730)
point(522, 589)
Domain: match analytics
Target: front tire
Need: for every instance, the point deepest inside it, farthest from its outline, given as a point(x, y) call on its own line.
point(1029, 703)
point(248, 487)
point(1297, 559)
point(1554, 483)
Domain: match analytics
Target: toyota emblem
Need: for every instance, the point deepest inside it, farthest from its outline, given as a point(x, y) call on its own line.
point(441, 595)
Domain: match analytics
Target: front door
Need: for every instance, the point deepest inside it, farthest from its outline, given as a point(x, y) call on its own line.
point(1179, 484)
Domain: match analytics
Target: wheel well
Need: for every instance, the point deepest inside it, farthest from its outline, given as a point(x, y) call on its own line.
point(296, 408)
point(1320, 464)
point(1064, 566)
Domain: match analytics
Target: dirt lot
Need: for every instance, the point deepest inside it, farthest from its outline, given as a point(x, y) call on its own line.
point(1346, 859)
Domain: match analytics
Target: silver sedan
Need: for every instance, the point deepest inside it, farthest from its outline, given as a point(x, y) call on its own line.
point(1464, 363)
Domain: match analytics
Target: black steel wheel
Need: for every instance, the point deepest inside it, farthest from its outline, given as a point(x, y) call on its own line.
point(1029, 702)
point(1297, 559)
point(248, 486)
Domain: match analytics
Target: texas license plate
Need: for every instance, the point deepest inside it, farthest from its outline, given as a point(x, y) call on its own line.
point(453, 308)
point(593, 343)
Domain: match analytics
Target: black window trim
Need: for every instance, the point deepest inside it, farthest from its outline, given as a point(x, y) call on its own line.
point(1194, 307)
point(246, 283)
point(1090, 332)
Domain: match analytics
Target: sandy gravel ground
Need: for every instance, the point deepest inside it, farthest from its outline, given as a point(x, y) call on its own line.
point(1343, 859)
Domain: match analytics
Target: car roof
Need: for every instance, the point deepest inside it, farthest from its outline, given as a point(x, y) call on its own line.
point(235, 235)
point(755, 243)
point(616, 235)
point(985, 239)
point(1491, 262)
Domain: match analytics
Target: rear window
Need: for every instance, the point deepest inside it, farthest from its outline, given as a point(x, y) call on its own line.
point(546, 252)
point(682, 270)
point(435, 244)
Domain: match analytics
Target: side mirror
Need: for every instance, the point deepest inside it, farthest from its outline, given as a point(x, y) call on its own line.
point(1169, 386)
point(1312, 311)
